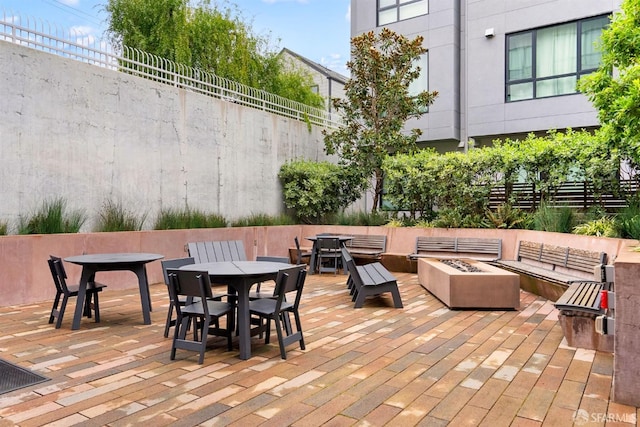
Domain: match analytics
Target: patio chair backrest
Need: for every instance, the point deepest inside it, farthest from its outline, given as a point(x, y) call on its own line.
point(217, 251)
point(174, 264)
point(58, 275)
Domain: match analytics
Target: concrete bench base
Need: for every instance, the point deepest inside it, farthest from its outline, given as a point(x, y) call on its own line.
point(490, 288)
point(580, 332)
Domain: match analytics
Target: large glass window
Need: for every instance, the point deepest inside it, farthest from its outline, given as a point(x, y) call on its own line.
point(396, 10)
point(421, 84)
point(549, 61)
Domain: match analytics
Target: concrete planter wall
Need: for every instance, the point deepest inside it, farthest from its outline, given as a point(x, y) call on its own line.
point(26, 278)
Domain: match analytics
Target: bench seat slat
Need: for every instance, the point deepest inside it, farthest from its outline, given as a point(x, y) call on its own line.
point(581, 297)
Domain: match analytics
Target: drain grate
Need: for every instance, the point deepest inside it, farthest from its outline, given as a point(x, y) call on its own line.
point(13, 377)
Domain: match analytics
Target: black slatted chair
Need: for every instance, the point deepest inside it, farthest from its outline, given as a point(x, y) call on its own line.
point(329, 254)
point(289, 280)
point(205, 313)
point(65, 291)
point(300, 254)
point(172, 264)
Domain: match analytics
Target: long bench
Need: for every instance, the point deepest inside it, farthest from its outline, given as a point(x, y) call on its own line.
point(557, 264)
point(579, 277)
point(367, 246)
point(369, 280)
point(480, 249)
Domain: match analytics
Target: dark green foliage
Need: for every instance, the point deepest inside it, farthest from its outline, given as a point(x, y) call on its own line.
point(506, 216)
point(548, 218)
point(114, 217)
point(52, 218)
point(628, 220)
point(256, 220)
point(3, 228)
point(456, 218)
point(211, 38)
point(175, 219)
point(314, 190)
point(361, 218)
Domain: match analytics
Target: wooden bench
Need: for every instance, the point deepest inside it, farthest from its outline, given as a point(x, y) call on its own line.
point(369, 280)
point(479, 249)
point(367, 246)
point(581, 297)
point(217, 251)
point(556, 264)
point(579, 309)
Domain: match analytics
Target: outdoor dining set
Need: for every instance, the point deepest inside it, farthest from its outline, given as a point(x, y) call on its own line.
point(217, 291)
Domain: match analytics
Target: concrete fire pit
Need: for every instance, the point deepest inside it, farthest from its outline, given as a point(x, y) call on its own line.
point(466, 283)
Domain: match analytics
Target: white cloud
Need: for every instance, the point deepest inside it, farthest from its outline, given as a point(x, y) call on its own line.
point(347, 16)
point(70, 2)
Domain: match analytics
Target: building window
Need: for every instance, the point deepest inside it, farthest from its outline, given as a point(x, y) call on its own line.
point(397, 10)
point(549, 61)
point(421, 84)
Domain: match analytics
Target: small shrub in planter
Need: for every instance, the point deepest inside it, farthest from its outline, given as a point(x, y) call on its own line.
point(180, 219)
point(114, 217)
point(52, 218)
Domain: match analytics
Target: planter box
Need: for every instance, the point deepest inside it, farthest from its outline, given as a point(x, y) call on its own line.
point(491, 287)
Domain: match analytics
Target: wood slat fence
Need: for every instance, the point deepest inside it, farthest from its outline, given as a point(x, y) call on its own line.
point(575, 194)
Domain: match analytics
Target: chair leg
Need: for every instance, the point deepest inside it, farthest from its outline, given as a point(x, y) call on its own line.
point(299, 326)
point(96, 306)
point(54, 308)
point(205, 335)
point(170, 322)
point(278, 325)
point(63, 306)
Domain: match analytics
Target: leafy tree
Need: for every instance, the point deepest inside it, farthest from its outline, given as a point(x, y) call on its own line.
point(378, 103)
point(208, 37)
point(614, 88)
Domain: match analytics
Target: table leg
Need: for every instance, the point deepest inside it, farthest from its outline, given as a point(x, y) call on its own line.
point(244, 322)
point(145, 297)
point(86, 276)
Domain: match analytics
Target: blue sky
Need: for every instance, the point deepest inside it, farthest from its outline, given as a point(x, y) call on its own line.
point(316, 29)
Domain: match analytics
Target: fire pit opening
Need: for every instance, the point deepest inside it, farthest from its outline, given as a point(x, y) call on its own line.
point(461, 265)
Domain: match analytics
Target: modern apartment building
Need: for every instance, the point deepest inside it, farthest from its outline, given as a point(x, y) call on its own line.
point(328, 83)
point(503, 68)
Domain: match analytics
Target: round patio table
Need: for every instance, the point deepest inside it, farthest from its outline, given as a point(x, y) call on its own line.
point(130, 261)
point(239, 276)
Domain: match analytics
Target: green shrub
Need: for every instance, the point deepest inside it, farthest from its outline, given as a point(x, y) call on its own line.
point(114, 217)
point(257, 220)
point(602, 227)
point(506, 216)
point(316, 190)
point(629, 227)
point(52, 218)
point(547, 218)
point(628, 221)
point(362, 218)
point(176, 219)
point(4, 227)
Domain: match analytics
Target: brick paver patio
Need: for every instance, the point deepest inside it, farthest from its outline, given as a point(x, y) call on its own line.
point(421, 365)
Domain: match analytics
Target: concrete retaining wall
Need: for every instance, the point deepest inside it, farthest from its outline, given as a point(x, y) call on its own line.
point(87, 134)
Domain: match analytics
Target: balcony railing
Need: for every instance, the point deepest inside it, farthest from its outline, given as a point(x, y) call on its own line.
point(40, 35)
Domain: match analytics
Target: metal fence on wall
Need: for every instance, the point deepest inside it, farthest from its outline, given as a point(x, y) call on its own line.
point(38, 34)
